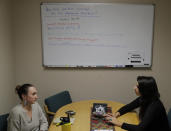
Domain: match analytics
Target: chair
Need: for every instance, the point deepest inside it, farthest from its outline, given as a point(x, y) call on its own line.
point(53, 103)
point(3, 122)
point(169, 117)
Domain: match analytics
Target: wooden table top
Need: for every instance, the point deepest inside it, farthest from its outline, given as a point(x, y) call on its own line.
point(83, 111)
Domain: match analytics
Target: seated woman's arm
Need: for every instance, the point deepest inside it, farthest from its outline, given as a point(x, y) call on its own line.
point(150, 115)
point(13, 122)
point(42, 120)
point(129, 107)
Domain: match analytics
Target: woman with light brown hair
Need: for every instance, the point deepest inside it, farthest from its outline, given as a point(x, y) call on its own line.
point(27, 115)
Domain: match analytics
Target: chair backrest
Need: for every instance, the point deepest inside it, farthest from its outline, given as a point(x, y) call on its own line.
point(56, 101)
point(3, 122)
point(169, 118)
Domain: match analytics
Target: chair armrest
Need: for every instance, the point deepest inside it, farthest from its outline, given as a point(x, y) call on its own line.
point(47, 111)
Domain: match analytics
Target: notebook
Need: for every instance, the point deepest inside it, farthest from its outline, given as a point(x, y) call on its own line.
point(97, 120)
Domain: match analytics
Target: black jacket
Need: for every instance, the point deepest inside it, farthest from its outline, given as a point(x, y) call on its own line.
point(155, 117)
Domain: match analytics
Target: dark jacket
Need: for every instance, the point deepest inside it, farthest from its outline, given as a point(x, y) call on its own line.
point(155, 117)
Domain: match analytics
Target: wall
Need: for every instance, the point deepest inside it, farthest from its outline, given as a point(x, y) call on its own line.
point(108, 84)
point(6, 58)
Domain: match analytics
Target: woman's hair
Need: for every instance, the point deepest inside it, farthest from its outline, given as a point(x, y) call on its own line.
point(22, 89)
point(149, 92)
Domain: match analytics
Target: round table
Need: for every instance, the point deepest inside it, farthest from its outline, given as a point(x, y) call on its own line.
point(83, 112)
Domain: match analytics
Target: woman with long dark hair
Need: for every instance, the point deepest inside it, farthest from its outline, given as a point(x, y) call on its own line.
point(152, 113)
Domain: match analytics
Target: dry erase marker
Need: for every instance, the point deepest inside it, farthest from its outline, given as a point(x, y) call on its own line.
point(129, 66)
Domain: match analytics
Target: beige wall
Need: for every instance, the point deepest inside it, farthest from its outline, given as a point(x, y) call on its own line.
point(108, 84)
point(7, 69)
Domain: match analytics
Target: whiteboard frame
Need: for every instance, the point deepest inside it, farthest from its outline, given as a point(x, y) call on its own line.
point(99, 66)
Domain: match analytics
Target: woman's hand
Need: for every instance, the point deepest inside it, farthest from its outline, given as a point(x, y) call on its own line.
point(112, 119)
point(117, 114)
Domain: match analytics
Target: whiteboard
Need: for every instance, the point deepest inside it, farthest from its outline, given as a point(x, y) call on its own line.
point(97, 34)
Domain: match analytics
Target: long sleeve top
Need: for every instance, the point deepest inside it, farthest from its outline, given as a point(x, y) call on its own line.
point(18, 119)
point(155, 118)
